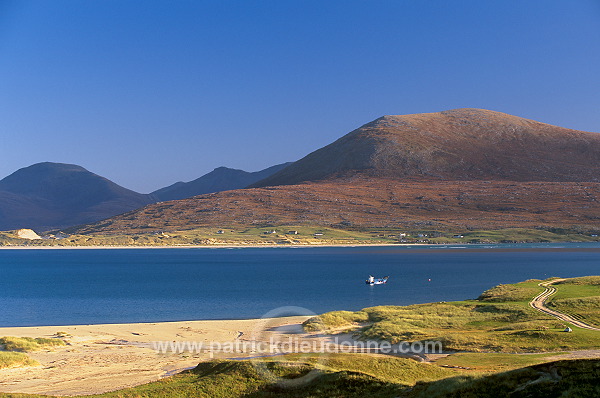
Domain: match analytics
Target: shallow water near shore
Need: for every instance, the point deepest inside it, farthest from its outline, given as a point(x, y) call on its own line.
point(67, 287)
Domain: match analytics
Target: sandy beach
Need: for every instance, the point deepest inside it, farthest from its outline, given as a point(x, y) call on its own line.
point(101, 358)
point(215, 246)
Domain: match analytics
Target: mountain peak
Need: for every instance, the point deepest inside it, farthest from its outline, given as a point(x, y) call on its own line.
point(55, 166)
point(45, 167)
point(51, 195)
point(458, 144)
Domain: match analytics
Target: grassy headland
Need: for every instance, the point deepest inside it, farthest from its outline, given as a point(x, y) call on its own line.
point(500, 320)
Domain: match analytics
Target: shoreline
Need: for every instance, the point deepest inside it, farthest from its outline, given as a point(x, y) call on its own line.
point(162, 326)
point(251, 246)
point(294, 246)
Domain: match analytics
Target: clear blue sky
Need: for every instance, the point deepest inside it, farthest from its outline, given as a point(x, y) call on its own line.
point(147, 93)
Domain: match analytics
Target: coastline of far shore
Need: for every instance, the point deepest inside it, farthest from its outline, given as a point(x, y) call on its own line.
point(218, 246)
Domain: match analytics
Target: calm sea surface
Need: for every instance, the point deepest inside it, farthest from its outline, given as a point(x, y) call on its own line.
point(61, 287)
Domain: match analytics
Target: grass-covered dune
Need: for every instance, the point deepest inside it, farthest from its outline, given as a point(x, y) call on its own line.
point(340, 378)
point(9, 359)
point(500, 320)
point(12, 350)
point(24, 344)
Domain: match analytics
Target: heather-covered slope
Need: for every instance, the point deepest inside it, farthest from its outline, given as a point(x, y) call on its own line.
point(461, 144)
point(374, 203)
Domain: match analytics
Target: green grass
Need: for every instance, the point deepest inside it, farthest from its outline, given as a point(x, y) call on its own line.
point(520, 292)
point(586, 309)
point(493, 362)
point(500, 320)
point(514, 235)
point(336, 320)
point(578, 297)
point(253, 235)
point(577, 287)
point(15, 359)
point(387, 368)
point(24, 344)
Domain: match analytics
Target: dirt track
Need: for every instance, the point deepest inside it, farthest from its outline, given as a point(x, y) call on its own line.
point(539, 303)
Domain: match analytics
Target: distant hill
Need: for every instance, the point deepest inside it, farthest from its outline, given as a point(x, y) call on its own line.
point(457, 170)
point(220, 179)
point(461, 144)
point(54, 195)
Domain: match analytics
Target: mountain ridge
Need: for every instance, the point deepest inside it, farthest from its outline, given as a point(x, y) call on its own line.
point(220, 179)
point(49, 195)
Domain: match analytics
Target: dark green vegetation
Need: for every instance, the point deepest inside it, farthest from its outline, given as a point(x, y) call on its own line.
point(500, 320)
point(238, 379)
point(576, 378)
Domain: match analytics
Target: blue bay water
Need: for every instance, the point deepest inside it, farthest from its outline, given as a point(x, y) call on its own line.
point(74, 286)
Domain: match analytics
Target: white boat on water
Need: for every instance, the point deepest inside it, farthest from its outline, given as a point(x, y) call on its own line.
point(376, 281)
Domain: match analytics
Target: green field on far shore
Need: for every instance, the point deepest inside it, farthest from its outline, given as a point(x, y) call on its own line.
point(300, 235)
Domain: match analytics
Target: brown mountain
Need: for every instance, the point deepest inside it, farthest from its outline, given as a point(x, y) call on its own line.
point(464, 168)
point(461, 144)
